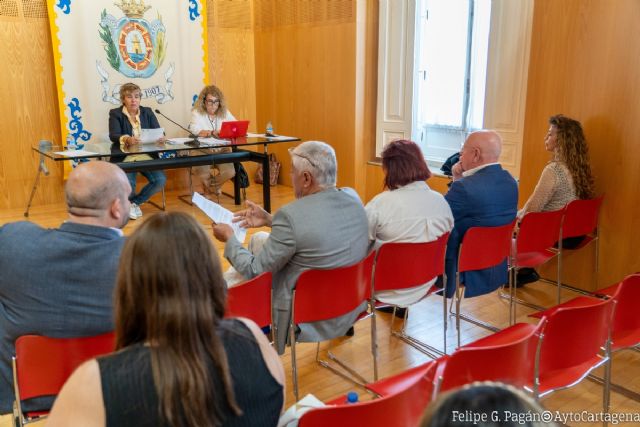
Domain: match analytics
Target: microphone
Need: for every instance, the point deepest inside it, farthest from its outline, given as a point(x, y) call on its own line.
point(194, 143)
point(44, 145)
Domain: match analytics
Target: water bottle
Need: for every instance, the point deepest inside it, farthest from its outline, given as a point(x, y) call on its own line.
point(269, 129)
point(352, 397)
point(71, 142)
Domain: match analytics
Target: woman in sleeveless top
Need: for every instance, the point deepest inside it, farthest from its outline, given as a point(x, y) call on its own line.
point(177, 361)
point(566, 177)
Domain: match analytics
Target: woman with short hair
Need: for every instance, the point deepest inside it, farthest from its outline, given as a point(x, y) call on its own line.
point(177, 361)
point(125, 125)
point(407, 211)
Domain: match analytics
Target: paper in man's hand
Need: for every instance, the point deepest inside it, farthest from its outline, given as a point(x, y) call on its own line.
point(219, 215)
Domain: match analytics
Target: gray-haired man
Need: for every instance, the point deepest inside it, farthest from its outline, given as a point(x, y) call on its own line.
point(323, 228)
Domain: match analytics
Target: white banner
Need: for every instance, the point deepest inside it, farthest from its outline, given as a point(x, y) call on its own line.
point(98, 45)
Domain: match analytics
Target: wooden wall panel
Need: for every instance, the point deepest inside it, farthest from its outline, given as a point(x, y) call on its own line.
point(305, 76)
point(29, 110)
point(585, 57)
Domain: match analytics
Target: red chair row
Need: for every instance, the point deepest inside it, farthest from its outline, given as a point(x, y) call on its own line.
point(557, 353)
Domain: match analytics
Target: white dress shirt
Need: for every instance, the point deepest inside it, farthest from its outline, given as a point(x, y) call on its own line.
point(413, 213)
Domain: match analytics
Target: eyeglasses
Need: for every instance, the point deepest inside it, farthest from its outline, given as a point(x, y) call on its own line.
point(293, 153)
point(212, 102)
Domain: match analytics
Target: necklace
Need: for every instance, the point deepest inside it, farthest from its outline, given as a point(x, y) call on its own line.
point(213, 122)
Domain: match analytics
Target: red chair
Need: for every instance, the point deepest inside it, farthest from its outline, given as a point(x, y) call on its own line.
point(251, 299)
point(402, 408)
point(625, 329)
point(42, 365)
point(399, 382)
point(581, 219)
point(534, 246)
point(406, 265)
point(506, 356)
point(327, 294)
point(573, 342)
point(481, 248)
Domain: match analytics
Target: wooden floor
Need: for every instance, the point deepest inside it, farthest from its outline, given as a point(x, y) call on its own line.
point(425, 321)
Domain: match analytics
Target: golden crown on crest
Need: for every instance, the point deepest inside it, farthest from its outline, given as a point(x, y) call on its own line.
point(133, 8)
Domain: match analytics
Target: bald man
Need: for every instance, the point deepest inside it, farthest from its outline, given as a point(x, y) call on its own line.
point(59, 282)
point(482, 194)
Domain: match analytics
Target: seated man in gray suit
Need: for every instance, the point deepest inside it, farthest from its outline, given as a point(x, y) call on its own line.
point(324, 228)
point(59, 282)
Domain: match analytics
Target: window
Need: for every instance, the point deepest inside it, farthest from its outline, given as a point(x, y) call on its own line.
point(451, 52)
point(447, 68)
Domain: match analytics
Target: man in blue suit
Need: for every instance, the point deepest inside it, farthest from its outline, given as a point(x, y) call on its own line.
point(482, 194)
point(59, 282)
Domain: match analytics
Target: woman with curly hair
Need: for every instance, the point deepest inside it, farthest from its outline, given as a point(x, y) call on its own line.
point(565, 178)
point(207, 115)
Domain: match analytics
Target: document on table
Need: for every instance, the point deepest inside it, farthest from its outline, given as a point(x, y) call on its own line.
point(149, 136)
point(212, 142)
point(219, 215)
point(75, 153)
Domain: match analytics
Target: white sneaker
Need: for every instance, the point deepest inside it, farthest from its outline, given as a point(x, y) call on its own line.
point(134, 211)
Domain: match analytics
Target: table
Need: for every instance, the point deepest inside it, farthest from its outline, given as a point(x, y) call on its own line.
point(195, 156)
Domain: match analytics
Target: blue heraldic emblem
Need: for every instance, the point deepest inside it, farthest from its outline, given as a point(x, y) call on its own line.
point(134, 46)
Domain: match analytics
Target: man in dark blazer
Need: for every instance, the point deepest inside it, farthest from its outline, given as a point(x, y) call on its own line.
point(482, 194)
point(59, 282)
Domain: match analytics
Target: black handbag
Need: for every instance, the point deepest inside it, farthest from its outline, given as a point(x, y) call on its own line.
point(448, 164)
point(242, 176)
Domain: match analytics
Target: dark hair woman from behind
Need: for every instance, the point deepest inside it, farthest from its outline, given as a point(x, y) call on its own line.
point(485, 404)
point(179, 363)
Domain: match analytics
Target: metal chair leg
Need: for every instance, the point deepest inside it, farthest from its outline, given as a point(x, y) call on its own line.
point(294, 368)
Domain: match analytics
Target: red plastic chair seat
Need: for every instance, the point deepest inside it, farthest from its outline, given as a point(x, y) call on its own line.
point(396, 383)
point(534, 259)
point(251, 299)
point(567, 377)
point(512, 333)
point(582, 301)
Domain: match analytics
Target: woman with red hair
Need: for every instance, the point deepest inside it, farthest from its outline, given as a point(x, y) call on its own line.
point(407, 211)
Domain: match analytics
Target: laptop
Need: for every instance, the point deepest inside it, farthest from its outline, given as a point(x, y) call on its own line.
point(237, 129)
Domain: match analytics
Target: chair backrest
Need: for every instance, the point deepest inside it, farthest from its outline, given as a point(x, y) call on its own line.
point(421, 262)
point(539, 231)
point(43, 364)
point(251, 299)
point(404, 408)
point(581, 217)
point(625, 331)
point(484, 247)
point(573, 336)
point(325, 294)
point(510, 362)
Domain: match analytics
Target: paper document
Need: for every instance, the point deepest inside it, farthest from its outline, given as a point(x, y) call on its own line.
point(75, 153)
point(219, 215)
point(212, 142)
point(255, 135)
point(150, 136)
point(278, 138)
point(176, 141)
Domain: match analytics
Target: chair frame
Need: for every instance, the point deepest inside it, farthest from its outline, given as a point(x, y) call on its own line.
point(363, 273)
point(476, 264)
point(433, 253)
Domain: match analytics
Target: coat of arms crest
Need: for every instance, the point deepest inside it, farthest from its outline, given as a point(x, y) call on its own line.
point(134, 46)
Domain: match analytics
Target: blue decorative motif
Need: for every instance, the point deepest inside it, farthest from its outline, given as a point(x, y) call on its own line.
point(193, 100)
point(75, 124)
point(193, 10)
point(64, 6)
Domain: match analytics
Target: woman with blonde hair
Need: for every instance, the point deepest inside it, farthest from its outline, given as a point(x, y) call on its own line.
point(207, 115)
point(178, 362)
